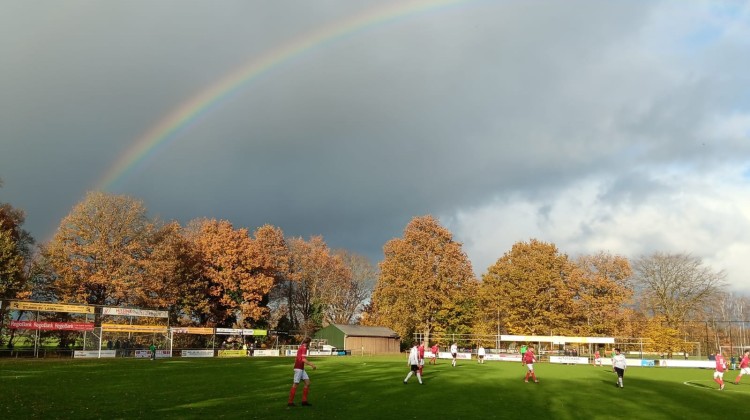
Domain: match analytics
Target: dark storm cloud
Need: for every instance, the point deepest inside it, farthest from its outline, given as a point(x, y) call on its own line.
point(472, 109)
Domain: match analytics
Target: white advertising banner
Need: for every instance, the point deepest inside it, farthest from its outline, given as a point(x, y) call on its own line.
point(569, 360)
point(240, 331)
point(557, 339)
point(134, 312)
point(145, 354)
point(265, 353)
point(688, 363)
point(94, 354)
point(503, 357)
point(459, 356)
point(197, 353)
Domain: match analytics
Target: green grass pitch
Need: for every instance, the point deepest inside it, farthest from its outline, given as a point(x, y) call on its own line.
point(355, 387)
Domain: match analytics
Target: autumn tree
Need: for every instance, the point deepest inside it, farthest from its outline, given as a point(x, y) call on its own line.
point(348, 300)
point(103, 254)
point(532, 287)
point(236, 273)
point(603, 290)
point(662, 338)
point(15, 252)
point(15, 257)
point(426, 283)
point(675, 285)
point(313, 284)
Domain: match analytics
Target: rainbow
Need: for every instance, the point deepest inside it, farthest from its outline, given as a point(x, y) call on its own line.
point(167, 129)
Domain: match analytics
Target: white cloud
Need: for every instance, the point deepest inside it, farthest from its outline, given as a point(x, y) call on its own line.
point(706, 215)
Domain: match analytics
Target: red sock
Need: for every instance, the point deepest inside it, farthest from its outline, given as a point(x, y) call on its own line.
point(533, 375)
point(291, 394)
point(305, 390)
point(737, 379)
point(527, 376)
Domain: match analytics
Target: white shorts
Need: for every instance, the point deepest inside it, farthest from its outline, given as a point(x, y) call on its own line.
point(718, 375)
point(300, 375)
point(745, 371)
point(530, 366)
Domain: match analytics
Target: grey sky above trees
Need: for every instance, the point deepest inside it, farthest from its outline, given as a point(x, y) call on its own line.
point(594, 125)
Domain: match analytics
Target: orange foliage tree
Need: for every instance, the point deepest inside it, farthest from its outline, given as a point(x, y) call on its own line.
point(603, 291)
point(236, 271)
point(105, 252)
point(313, 283)
point(348, 300)
point(532, 288)
point(426, 283)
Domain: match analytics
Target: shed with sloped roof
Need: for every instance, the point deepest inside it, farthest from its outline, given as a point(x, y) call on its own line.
point(360, 339)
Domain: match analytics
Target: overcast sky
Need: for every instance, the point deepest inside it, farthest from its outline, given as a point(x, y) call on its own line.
point(619, 126)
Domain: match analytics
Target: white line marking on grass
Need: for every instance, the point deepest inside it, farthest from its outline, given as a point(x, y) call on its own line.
point(707, 387)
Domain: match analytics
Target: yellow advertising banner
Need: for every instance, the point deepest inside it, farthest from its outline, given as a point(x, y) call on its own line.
point(50, 307)
point(134, 328)
point(232, 353)
point(192, 330)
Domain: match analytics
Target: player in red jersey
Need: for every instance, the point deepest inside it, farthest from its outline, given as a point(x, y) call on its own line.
point(597, 358)
point(420, 353)
point(744, 367)
point(434, 350)
point(300, 374)
point(721, 366)
point(529, 359)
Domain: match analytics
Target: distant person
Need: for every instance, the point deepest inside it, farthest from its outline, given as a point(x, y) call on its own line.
point(480, 354)
point(109, 345)
point(454, 353)
point(597, 358)
point(300, 374)
point(721, 366)
point(529, 358)
point(744, 367)
point(420, 353)
point(413, 363)
point(620, 364)
point(153, 351)
point(434, 351)
point(523, 353)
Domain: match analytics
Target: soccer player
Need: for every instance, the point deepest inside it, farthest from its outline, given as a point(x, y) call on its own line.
point(744, 367)
point(420, 354)
point(300, 374)
point(721, 366)
point(529, 359)
point(597, 358)
point(619, 363)
point(434, 350)
point(523, 353)
point(413, 362)
point(480, 354)
point(454, 353)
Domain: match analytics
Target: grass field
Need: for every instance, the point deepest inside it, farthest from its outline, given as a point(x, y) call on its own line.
point(357, 388)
